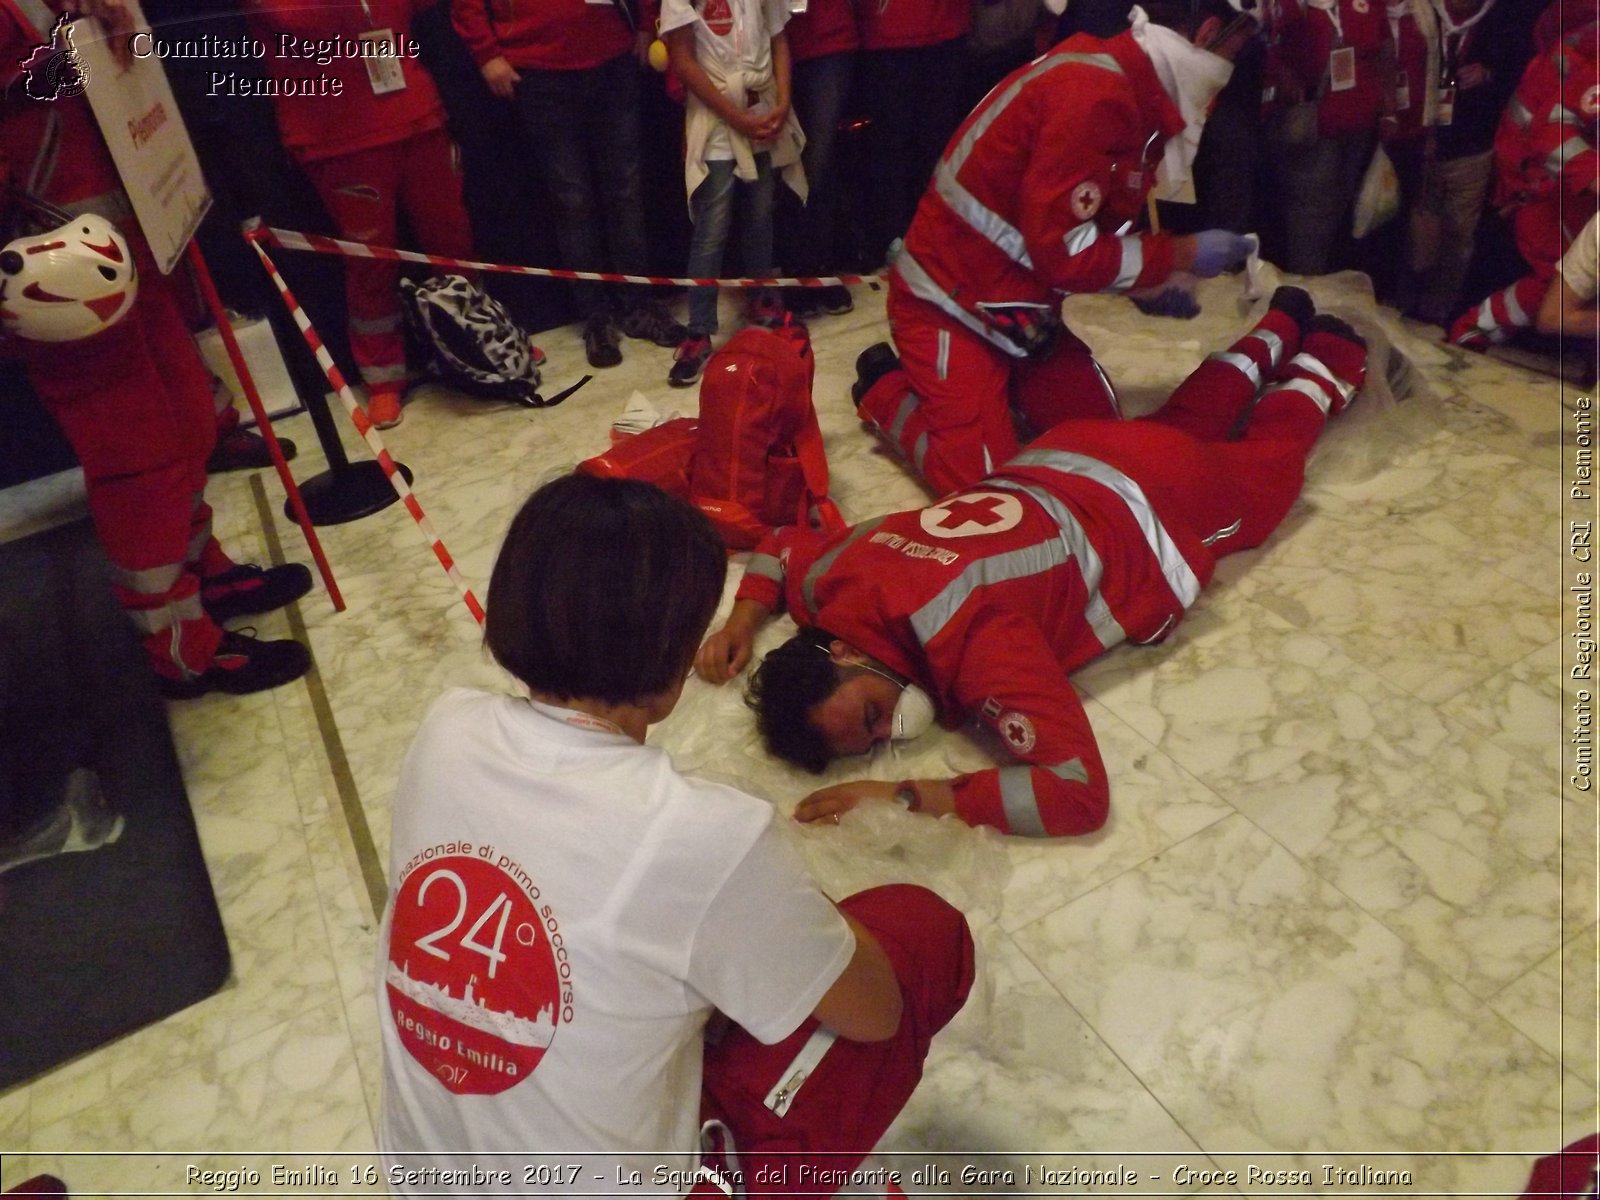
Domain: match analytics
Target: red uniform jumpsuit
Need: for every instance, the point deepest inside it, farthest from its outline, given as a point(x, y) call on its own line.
point(1022, 210)
point(369, 156)
point(134, 401)
point(1100, 531)
point(1547, 178)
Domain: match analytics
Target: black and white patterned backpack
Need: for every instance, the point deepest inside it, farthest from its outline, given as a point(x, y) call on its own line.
point(472, 341)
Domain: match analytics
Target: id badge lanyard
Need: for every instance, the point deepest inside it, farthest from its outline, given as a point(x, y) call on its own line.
point(1453, 36)
point(1342, 58)
point(380, 54)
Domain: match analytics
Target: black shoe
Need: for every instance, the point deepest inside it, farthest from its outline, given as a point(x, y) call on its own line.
point(872, 364)
point(250, 589)
point(1296, 302)
point(651, 322)
point(836, 300)
point(243, 450)
point(803, 301)
point(689, 361)
point(1328, 323)
point(600, 343)
point(242, 665)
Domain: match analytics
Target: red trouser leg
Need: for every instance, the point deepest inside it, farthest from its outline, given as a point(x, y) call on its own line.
point(430, 194)
point(135, 403)
point(1541, 242)
point(1209, 403)
point(947, 411)
point(362, 194)
point(1067, 385)
point(850, 1097)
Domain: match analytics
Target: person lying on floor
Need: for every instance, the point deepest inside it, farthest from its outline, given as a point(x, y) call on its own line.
point(1100, 531)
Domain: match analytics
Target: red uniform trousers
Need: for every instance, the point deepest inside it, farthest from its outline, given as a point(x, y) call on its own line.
point(841, 1106)
point(951, 410)
point(136, 404)
point(1541, 240)
point(365, 192)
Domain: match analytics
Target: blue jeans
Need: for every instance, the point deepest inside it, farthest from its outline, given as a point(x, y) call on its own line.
point(584, 130)
point(711, 207)
point(821, 92)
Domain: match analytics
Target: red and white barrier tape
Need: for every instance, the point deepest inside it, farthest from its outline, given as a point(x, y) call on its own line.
point(316, 243)
point(365, 428)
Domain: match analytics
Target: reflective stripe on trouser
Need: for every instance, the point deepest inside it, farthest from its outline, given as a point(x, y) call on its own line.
point(178, 637)
point(1209, 403)
point(1496, 317)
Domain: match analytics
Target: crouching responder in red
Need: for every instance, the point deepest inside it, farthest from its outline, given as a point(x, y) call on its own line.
point(1100, 531)
point(99, 333)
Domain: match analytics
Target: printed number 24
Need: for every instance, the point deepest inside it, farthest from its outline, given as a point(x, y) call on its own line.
point(500, 905)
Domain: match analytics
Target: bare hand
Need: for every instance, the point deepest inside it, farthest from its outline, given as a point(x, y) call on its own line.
point(725, 653)
point(771, 124)
point(501, 77)
point(830, 803)
point(1472, 75)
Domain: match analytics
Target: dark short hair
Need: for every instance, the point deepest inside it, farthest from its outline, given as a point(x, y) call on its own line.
point(603, 590)
point(1186, 16)
point(791, 681)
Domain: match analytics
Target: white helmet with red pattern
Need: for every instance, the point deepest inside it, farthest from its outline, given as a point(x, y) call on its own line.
point(67, 284)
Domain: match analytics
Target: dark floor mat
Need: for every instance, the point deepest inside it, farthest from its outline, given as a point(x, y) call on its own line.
point(97, 943)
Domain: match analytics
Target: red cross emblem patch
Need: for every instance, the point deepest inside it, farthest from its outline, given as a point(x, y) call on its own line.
point(972, 513)
point(1018, 731)
point(1086, 199)
point(1591, 101)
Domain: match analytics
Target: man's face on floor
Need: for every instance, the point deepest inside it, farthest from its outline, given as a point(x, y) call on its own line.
point(858, 714)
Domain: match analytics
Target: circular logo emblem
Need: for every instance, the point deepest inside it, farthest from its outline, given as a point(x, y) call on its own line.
point(1361, 6)
point(478, 981)
point(972, 513)
point(1591, 101)
point(1018, 731)
point(1086, 199)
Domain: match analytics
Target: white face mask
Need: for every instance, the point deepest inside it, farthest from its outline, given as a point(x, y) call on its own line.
point(1191, 77)
point(913, 712)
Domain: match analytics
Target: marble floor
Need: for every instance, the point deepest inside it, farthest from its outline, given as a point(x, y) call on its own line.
point(1342, 919)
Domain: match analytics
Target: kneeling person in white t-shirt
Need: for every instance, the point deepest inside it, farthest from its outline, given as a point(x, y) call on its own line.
point(568, 911)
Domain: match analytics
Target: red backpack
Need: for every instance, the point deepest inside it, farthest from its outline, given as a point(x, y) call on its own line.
point(755, 459)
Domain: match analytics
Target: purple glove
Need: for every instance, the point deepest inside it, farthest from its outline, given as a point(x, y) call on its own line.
point(1218, 250)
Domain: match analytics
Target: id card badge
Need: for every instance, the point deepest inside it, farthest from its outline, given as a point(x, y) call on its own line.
point(378, 55)
point(1342, 69)
point(1402, 92)
point(1445, 113)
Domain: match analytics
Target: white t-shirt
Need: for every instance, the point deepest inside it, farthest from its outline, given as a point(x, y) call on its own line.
point(1580, 265)
point(565, 912)
point(730, 36)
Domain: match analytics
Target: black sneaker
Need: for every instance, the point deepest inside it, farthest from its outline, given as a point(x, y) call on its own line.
point(651, 322)
point(836, 300)
point(248, 589)
point(242, 665)
point(244, 450)
point(689, 360)
point(872, 364)
point(600, 343)
point(1296, 302)
point(803, 301)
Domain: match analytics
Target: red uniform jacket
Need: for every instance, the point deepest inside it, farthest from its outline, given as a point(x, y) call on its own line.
point(989, 598)
point(546, 35)
point(826, 27)
point(1308, 39)
point(1024, 203)
point(1546, 140)
point(906, 24)
point(320, 125)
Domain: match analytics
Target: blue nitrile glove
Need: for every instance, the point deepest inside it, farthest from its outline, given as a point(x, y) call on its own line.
point(1168, 302)
point(1219, 250)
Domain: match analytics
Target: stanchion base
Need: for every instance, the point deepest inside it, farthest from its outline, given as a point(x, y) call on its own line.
point(347, 493)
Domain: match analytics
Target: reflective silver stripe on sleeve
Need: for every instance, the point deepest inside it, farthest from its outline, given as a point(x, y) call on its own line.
point(1242, 363)
point(1518, 112)
point(1132, 264)
point(1021, 563)
point(765, 566)
point(1080, 237)
point(1019, 801)
point(1306, 387)
point(1562, 115)
point(1180, 576)
point(923, 287)
point(1005, 237)
point(1565, 153)
point(1271, 341)
point(944, 355)
point(1075, 542)
point(809, 584)
point(1313, 365)
point(151, 581)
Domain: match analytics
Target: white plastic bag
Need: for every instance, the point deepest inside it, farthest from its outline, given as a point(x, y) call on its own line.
point(1379, 198)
